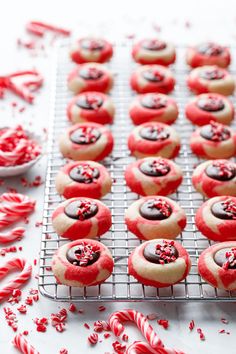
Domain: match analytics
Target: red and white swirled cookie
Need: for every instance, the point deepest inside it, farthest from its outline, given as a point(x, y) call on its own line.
point(153, 107)
point(215, 177)
point(153, 176)
point(154, 139)
point(216, 218)
point(86, 141)
point(90, 77)
point(212, 79)
point(217, 265)
point(208, 53)
point(155, 217)
point(154, 51)
point(159, 263)
point(152, 78)
point(82, 263)
point(213, 141)
point(83, 179)
point(210, 107)
point(91, 107)
point(90, 49)
point(77, 218)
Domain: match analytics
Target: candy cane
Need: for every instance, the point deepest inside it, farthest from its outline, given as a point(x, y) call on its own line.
point(18, 281)
point(24, 347)
point(146, 329)
point(145, 348)
point(13, 207)
point(40, 28)
point(12, 235)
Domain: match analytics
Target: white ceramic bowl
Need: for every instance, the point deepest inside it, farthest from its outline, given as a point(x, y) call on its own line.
point(10, 171)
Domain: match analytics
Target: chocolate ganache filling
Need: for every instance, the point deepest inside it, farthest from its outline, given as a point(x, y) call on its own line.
point(155, 209)
point(153, 101)
point(215, 132)
point(83, 254)
point(226, 258)
point(153, 75)
point(92, 44)
point(210, 49)
point(155, 167)
point(154, 133)
point(224, 210)
point(221, 171)
point(84, 173)
point(85, 135)
point(211, 104)
point(90, 73)
point(81, 209)
point(153, 44)
point(89, 101)
point(161, 252)
point(212, 74)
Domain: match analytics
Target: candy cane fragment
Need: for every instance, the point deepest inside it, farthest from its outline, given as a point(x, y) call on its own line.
point(22, 344)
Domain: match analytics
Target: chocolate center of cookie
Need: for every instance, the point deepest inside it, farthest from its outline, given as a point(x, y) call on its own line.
point(84, 174)
point(155, 209)
point(226, 258)
point(153, 75)
point(210, 49)
point(153, 44)
point(83, 255)
point(154, 133)
point(221, 171)
point(90, 73)
point(153, 101)
point(212, 74)
point(92, 44)
point(85, 135)
point(215, 132)
point(156, 167)
point(161, 253)
point(89, 101)
point(224, 210)
point(81, 209)
point(211, 104)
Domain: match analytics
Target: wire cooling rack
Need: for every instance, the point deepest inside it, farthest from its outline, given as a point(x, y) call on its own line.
point(120, 286)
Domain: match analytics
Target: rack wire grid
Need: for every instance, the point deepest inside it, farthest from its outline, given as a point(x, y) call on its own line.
point(121, 286)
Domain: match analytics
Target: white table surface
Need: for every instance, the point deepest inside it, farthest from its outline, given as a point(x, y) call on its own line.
point(113, 19)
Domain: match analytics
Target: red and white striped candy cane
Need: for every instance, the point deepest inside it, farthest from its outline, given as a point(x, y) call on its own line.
point(22, 344)
point(18, 281)
point(155, 343)
point(16, 204)
point(145, 348)
point(12, 235)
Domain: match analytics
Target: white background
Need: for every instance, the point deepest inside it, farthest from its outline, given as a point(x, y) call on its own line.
point(113, 19)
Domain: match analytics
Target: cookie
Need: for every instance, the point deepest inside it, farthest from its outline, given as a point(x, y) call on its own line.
point(153, 176)
point(90, 49)
point(216, 218)
point(82, 263)
point(154, 51)
point(159, 263)
point(217, 265)
point(90, 77)
point(213, 141)
point(155, 217)
point(208, 53)
point(83, 179)
point(210, 107)
point(211, 79)
point(91, 107)
point(152, 78)
point(86, 141)
point(78, 218)
point(154, 139)
point(153, 107)
point(214, 178)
